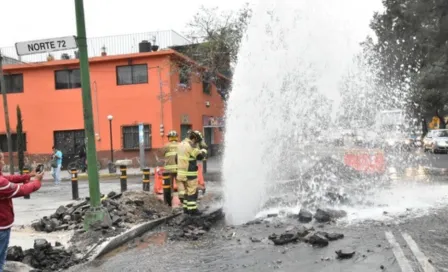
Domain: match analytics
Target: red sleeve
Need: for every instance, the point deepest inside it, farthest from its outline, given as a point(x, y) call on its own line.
point(11, 190)
point(18, 178)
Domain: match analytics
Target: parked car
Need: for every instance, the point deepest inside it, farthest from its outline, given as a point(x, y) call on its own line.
point(436, 141)
point(414, 140)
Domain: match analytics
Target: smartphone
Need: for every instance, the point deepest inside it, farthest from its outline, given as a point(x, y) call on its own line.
point(39, 168)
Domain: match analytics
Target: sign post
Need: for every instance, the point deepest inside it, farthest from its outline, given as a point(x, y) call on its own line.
point(95, 214)
point(141, 141)
point(5, 109)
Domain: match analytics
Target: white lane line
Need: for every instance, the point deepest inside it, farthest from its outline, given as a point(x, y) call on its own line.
point(421, 258)
point(398, 252)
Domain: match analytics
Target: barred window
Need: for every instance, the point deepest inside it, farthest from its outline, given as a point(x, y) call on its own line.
point(4, 142)
point(131, 137)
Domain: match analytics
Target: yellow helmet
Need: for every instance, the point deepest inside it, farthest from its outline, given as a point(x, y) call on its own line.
point(172, 135)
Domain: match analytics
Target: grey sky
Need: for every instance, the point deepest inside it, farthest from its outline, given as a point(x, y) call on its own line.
point(25, 20)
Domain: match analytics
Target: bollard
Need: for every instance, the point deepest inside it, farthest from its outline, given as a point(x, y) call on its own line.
point(75, 191)
point(167, 188)
point(26, 171)
point(146, 179)
point(123, 178)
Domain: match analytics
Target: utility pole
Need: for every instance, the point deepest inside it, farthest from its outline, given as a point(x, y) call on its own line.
point(96, 213)
point(5, 109)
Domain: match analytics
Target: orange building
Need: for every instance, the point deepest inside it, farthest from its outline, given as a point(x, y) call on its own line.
point(134, 88)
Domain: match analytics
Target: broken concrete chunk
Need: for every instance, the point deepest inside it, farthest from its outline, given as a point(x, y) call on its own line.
point(318, 240)
point(305, 216)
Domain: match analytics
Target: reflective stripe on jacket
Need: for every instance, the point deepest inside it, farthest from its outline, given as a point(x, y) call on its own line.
point(187, 168)
point(170, 153)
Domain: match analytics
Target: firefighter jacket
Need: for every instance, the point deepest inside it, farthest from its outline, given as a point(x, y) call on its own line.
point(187, 155)
point(170, 153)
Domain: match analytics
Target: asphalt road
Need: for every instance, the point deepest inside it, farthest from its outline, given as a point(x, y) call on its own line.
point(404, 229)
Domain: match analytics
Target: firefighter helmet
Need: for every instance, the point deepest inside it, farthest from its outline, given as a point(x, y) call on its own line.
point(196, 134)
point(172, 134)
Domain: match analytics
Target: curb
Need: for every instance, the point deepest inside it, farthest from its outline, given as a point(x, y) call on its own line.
point(131, 234)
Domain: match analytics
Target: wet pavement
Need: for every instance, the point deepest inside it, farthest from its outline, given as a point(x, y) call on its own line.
point(405, 240)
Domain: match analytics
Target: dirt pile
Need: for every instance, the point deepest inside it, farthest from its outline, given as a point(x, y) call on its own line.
point(125, 209)
point(44, 256)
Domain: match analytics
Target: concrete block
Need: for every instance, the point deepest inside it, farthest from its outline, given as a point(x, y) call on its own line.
point(123, 162)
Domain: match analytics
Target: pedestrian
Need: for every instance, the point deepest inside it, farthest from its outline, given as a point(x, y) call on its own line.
point(11, 187)
point(187, 170)
point(56, 165)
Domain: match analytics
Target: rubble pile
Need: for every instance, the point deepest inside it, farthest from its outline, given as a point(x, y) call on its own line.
point(125, 209)
point(44, 256)
point(192, 227)
point(307, 235)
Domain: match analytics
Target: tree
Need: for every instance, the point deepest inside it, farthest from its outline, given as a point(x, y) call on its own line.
point(20, 140)
point(216, 38)
point(412, 52)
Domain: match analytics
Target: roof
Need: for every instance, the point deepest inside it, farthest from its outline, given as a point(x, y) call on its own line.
point(58, 63)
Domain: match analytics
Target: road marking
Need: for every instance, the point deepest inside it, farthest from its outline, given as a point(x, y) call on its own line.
point(421, 258)
point(398, 252)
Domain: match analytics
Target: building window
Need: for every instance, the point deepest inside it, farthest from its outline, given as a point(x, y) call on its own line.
point(14, 83)
point(131, 137)
point(184, 76)
point(132, 74)
point(4, 142)
point(67, 79)
point(206, 87)
point(207, 83)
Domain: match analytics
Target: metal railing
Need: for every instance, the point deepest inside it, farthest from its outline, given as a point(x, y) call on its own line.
point(115, 45)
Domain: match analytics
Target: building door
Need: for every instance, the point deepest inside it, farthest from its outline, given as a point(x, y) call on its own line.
point(69, 142)
point(183, 131)
point(208, 136)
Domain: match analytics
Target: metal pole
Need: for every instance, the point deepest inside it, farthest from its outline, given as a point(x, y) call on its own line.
point(95, 213)
point(75, 190)
point(141, 135)
point(111, 142)
point(123, 178)
point(25, 172)
point(5, 109)
point(146, 173)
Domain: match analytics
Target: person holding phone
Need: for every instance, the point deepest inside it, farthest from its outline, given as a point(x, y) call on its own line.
point(11, 187)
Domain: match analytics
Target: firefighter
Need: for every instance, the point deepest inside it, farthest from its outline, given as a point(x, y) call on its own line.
point(187, 170)
point(201, 184)
point(170, 168)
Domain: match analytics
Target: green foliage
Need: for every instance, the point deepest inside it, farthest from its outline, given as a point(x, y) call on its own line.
point(20, 140)
point(411, 51)
point(216, 38)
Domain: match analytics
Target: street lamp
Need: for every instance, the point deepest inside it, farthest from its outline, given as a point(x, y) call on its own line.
point(110, 118)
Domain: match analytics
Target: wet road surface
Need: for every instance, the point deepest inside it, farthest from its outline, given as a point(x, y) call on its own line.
point(408, 242)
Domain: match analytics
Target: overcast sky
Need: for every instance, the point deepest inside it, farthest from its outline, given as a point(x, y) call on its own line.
point(24, 20)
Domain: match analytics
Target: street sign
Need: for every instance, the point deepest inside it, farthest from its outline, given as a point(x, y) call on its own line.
point(46, 46)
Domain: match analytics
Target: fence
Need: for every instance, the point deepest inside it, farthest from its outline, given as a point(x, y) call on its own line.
point(115, 45)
